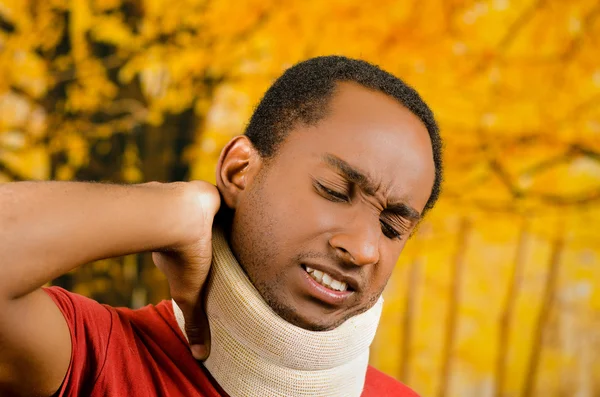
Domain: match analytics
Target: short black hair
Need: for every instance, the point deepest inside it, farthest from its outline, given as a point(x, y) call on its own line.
point(303, 92)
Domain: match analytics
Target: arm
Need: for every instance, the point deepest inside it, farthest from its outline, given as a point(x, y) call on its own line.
point(50, 228)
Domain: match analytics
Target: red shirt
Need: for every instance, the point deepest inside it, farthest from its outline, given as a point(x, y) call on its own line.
point(124, 352)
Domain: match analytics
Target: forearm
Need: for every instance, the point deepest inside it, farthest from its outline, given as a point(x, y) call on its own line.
point(49, 228)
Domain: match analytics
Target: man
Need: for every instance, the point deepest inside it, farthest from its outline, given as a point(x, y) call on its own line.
point(339, 163)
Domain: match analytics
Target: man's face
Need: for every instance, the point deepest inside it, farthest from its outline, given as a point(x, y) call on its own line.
point(341, 198)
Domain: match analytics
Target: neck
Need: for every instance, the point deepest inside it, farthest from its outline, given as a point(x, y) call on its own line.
point(254, 352)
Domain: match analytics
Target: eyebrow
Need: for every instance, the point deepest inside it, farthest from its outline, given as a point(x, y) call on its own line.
point(367, 184)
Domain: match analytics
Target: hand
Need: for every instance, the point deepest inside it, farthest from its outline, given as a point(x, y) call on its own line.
point(187, 263)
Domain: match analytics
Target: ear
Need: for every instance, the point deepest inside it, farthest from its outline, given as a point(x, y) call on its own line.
point(238, 164)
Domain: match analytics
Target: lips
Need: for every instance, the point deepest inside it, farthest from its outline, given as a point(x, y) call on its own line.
point(333, 288)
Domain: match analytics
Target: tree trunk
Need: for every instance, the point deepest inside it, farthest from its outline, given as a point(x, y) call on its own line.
point(161, 149)
point(453, 304)
point(514, 286)
point(410, 308)
point(544, 315)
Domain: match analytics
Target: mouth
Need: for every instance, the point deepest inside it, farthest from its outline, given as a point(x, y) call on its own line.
point(325, 287)
point(326, 279)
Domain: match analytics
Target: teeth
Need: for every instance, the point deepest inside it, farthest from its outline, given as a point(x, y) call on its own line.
point(318, 275)
point(326, 280)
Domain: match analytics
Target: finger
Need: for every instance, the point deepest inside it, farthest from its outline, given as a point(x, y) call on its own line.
point(197, 330)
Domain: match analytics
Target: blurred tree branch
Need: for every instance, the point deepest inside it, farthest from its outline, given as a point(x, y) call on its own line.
point(13, 175)
point(511, 33)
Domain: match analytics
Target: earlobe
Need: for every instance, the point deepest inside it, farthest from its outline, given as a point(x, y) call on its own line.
point(236, 168)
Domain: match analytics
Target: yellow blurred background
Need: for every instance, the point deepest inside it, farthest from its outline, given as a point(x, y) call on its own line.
point(497, 294)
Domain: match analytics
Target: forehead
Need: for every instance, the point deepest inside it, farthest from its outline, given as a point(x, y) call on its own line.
point(373, 132)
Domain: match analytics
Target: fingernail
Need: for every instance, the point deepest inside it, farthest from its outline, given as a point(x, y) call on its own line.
point(199, 352)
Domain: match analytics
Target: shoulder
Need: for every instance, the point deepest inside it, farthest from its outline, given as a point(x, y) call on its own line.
point(87, 319)
point(120, 351)
point(155, 328)
point(156, 320)
point(379, 384)
point(97, 322)
point(90, 326)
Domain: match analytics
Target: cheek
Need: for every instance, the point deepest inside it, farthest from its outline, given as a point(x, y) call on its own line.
point(275, 221)
point(297, 212)
point(390, 253)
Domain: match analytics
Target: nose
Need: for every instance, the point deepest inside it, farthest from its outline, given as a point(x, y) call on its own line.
point(358, 243)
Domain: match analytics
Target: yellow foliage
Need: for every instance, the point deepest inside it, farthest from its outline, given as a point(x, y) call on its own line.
point(131, 91)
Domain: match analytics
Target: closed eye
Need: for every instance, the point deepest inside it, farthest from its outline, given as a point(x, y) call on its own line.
point(339, 197)
point(332, 195)
point(389, 231)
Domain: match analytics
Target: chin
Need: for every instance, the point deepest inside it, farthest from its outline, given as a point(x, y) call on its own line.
point(310, 325)
point(299, 318)
point(307, 314)
point(310, 321)
point(315, 326)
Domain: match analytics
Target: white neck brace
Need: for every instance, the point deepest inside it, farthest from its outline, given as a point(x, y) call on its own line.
point(255, 353)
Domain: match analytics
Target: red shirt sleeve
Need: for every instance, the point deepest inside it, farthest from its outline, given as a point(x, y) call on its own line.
point(90, 325)
point(378, 384)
